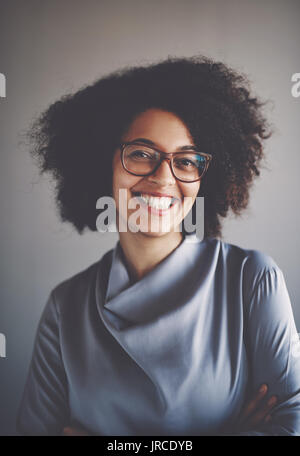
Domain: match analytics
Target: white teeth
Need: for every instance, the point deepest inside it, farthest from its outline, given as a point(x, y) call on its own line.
point(156, 202)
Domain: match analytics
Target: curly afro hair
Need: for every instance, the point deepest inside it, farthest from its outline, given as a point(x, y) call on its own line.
point(74, 139)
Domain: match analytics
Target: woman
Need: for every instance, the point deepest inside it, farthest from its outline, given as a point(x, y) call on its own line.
point(167, 334)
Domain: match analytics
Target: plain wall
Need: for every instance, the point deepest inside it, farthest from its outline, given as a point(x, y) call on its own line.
point(48, 48)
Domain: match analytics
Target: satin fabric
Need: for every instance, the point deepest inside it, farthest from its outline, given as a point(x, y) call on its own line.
point(178, 352)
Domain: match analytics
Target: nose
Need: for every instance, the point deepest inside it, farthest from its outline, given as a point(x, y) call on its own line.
point(164, 174)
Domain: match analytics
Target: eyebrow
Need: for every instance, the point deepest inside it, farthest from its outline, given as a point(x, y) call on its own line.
point(151, 143)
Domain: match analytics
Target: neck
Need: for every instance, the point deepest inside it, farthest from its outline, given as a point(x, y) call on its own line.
point(142, 253)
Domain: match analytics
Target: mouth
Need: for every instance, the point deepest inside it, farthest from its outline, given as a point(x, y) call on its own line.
point(156, 203)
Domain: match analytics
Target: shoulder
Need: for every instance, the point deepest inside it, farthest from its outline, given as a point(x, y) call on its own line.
point(78, 287)
point(252, 258)
point(260, 278)
point(252, 265)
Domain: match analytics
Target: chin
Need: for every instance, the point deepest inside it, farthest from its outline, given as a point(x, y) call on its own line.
point(156, 234)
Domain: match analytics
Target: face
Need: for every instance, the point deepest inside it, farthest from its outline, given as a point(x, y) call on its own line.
point(169, 134)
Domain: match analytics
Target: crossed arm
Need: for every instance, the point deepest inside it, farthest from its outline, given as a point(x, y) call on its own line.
point(255, 413)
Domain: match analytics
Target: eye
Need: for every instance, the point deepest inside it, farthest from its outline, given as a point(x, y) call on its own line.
point(141, 155)
point(185, 163)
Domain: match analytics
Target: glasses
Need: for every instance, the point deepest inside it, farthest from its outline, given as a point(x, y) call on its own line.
point(141, 160)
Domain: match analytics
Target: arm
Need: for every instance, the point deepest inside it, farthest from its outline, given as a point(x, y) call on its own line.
point(44, 406)
point(270, 338)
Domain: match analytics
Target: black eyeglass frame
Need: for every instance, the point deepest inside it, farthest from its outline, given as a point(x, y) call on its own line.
point(165, 156)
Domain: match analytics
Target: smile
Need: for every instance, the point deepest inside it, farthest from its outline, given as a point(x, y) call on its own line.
point(156, 204)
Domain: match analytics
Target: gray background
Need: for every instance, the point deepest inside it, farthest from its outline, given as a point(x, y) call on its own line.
point(48, 48)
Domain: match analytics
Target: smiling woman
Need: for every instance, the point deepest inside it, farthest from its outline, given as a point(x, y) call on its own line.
point(163, 335)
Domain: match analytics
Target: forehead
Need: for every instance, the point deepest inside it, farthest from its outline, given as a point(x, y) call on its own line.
point(162, 127)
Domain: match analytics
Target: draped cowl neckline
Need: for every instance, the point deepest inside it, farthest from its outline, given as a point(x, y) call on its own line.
point(164, 324)
point(154, 294)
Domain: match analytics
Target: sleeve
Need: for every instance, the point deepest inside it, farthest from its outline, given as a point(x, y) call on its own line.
point(273, 348)
point(44, 406)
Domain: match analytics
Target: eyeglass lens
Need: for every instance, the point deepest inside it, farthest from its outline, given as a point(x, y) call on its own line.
point(142, 160)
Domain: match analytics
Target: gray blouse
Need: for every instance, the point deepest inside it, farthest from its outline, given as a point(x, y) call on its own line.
point(178, 352)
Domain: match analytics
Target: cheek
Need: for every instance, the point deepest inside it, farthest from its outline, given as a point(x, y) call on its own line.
point(122, 180)
point(190, 190)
